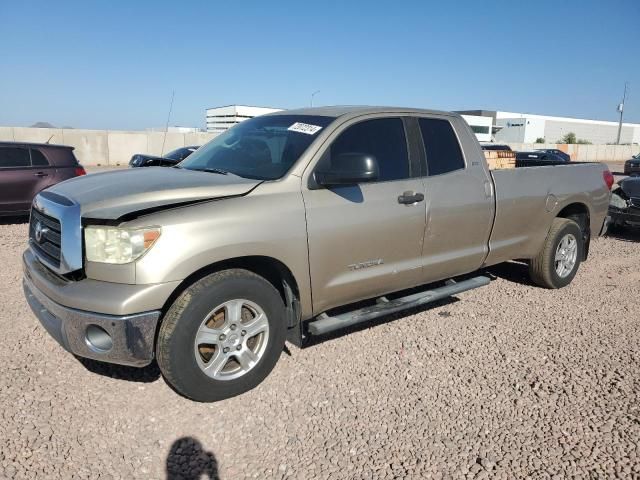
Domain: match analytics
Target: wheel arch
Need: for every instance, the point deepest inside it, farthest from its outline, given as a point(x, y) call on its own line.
point(579, 213)
point(271, 269)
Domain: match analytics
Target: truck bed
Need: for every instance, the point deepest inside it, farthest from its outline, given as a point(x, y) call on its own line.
point(527, 198)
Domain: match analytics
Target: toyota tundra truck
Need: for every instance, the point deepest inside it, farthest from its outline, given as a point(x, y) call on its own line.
point(288, 226)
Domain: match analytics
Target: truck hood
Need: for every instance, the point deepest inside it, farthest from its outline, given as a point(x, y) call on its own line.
point(119, 194)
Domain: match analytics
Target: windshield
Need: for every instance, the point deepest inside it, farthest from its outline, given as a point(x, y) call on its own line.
point(262, 148)
point(176, 154)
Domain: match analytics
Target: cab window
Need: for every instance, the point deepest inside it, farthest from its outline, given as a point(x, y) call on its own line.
point(383, 139)
point(441, 146)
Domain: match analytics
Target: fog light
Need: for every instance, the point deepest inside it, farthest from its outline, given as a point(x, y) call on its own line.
point(98, 339)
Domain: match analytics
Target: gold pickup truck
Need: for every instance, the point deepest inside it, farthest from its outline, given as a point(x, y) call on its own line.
point(275, 229)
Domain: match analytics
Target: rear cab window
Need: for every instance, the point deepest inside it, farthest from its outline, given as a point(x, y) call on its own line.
point(441, 145)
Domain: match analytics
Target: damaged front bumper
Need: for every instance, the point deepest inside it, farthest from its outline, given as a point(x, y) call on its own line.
point(125, 340)
point(624, 217)
point(125, 335)
point(623, 210)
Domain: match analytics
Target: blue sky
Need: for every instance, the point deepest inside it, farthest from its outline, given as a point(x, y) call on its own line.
point(113, 65)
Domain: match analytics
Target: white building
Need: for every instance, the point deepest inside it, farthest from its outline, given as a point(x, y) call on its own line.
point(220, 119)
point(481, 126)
point(175, 129)
point(527, 128)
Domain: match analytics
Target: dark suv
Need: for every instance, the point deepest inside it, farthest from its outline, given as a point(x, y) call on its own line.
point(632, 165)
point(538, 158)
point(28, 168)
point(557, 152)
point(171, 159)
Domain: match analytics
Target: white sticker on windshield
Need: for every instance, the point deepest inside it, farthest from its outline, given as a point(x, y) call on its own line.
point(305, 128)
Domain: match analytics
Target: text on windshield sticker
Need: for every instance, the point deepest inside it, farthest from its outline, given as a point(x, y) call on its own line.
point(305, 128)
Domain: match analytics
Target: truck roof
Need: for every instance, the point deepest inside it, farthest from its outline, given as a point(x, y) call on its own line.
point(342, 110)
point(32, 144)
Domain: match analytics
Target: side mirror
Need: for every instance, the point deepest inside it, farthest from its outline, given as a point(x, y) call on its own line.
point(349, 169)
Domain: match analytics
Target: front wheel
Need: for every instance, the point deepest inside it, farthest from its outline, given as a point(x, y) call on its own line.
point(558, 261)
point(222, 336)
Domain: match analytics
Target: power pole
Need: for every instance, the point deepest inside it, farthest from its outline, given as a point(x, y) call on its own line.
point(621, 110)
point(313, 95)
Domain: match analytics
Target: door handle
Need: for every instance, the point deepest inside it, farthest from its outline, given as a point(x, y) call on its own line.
point(409, 198)
point(40, 174)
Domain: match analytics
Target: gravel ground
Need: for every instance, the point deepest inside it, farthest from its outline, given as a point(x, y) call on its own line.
point(510, 381)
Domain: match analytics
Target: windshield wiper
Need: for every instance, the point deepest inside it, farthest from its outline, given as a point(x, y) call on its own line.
point(214, 170)
point(211, 170)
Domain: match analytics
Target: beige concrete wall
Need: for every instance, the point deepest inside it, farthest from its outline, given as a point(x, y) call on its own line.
point(90, 144)
point(199, 138)
point(171, 141)
point(122, 145)
point(105, 147)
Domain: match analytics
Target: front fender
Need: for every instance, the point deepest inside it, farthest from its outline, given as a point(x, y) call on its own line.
point(269, 222)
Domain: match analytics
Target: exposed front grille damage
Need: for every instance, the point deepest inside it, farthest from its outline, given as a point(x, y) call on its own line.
point(45, 236)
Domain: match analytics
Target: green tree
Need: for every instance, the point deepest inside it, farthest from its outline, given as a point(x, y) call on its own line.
point(540, 140)
point(569, 138)
point(583, 142)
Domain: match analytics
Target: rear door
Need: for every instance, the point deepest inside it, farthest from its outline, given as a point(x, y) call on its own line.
point(362, 241)
point(17, 181)
point(459, 200)
point(43, 169)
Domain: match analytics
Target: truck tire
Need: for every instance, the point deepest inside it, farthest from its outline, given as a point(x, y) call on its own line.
point(222, 336)
point(558, 261)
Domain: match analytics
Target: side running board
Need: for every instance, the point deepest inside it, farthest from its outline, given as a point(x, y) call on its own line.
point(325, 324)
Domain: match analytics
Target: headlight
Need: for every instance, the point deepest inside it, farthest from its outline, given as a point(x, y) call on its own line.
point(618, 202)
point(118, 245)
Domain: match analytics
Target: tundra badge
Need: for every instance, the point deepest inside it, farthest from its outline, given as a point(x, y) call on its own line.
point(367, 264)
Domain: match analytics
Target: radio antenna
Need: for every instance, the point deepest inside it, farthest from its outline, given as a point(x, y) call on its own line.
point(166, 127)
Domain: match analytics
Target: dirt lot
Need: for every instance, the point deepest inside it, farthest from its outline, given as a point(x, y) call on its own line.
point(510, 381)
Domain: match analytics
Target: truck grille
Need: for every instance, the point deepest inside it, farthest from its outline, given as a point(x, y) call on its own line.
point(45, 237)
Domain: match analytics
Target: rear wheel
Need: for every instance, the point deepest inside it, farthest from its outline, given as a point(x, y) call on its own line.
point(222, 336)
point(558, 261)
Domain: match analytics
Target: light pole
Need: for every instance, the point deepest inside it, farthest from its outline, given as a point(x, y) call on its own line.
point(312, 95)
point(621, 110)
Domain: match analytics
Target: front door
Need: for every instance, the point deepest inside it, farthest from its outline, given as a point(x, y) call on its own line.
point(366, 240)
